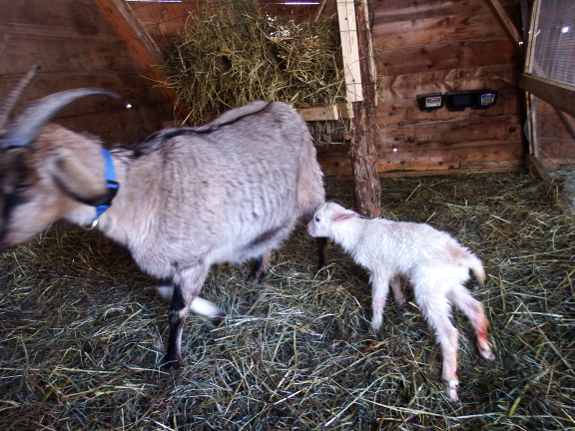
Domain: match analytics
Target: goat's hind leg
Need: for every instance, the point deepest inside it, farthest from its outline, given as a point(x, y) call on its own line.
point(396, 289)
point(475, 312)
point(187, 285)
point(379, 293)
point(260, 268)
point(437, 311)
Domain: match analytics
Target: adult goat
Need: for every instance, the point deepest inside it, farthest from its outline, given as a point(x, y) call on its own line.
point(183, 199)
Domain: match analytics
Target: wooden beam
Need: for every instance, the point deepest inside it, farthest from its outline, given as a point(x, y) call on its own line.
point(349, 48)
point(561, 96)
point(320, 113)
point(507, 24)
point(362, 149)
point(134, 34)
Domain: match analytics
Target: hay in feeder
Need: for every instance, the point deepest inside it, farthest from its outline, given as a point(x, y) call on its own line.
point(82, 333)
point(234, 54)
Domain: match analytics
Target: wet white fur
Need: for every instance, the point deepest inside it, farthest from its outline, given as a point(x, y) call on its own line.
point(435, 263)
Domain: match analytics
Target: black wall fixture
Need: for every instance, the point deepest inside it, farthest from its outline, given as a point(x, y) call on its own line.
point(429, 102)
point(476, 99)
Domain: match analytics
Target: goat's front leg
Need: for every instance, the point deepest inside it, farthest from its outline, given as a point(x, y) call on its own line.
point(187, 285)
point(396, 289)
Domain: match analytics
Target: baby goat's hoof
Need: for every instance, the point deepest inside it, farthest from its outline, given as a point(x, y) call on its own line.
point(484, 348)
point(451, 388)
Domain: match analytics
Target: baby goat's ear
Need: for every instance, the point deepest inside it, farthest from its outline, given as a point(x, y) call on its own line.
point(344, 216)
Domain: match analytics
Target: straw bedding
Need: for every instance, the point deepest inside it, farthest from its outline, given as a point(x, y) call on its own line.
point(82, 333)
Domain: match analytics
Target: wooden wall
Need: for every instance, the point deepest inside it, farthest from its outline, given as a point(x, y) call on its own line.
point(76, 45)
point(436, 46)
point(422, 46)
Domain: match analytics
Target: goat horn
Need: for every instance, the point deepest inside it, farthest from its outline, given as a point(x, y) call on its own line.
point(15, 94)
point(24, 128)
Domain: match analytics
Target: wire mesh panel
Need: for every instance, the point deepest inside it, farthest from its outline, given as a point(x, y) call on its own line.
point(553, 57)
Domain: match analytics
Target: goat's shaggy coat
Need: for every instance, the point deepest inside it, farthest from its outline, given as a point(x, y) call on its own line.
point(435, 263)
point(188, 198)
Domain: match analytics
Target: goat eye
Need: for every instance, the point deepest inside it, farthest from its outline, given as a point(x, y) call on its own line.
point(317, 219)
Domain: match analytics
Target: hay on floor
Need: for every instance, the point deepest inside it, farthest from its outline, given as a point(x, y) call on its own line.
point(82, 333)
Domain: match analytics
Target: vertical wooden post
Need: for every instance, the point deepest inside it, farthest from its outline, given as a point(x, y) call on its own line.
point(363, 152)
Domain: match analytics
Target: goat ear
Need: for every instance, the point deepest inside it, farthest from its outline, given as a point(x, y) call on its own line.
point(79, 172)
point(342, 216)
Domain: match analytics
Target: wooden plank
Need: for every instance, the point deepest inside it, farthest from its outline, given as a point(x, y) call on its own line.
point(125, 125)
point(446, 56)
point(65, 54)
point(402, 10)
point(349, 49)
point(560, 95)
point(440, 29)
point(510, 160)
point(449, 158)
point(407, 86)
point(536, 169)
point(49, 31)
point(484, 131)
point(507, 24)
point(557, 147)
point(320, 113)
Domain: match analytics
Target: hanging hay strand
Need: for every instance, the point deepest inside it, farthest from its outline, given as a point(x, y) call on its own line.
point(82, 332)
point(233, 54)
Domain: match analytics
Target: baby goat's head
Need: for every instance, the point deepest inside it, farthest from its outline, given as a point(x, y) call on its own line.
point(321, 225)
point(45, 169)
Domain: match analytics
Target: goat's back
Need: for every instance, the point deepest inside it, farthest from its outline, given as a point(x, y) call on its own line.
point(230, 188)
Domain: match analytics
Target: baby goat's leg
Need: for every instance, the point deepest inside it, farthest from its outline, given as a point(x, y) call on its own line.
point(379, 292)
point(474, 310)
point(396, 289)
point(187, 285)
point(437, 310)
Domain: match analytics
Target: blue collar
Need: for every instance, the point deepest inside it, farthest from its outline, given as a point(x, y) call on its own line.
point(111, 183)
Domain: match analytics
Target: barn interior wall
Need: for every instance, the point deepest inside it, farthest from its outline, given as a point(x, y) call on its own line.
point(421, 47)
point(76, 45)
point(433, 46)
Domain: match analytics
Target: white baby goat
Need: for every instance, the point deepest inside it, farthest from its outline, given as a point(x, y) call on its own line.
point(435, 263)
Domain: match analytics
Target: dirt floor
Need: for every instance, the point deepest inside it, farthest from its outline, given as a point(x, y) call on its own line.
point(83, 332)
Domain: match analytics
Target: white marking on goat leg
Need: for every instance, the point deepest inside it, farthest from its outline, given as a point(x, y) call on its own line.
point(205, 308)
point(199, 305)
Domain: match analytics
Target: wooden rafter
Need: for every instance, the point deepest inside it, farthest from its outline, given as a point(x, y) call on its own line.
point(132, 31)
point(507, 24)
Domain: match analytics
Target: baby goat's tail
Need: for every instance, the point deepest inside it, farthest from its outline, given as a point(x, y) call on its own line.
point(468, 260)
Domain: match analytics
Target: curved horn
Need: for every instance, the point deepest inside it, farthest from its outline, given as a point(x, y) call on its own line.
point(24, 128)
point(15, 94)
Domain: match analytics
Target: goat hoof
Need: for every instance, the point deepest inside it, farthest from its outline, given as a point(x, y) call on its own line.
point(451, 388)
point(171, 364)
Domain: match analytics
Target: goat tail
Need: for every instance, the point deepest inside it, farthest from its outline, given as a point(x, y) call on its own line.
point(466, 259)
point(477, 268)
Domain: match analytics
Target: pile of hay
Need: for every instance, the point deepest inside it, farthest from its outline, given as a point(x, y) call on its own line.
point(82, 334)
point(232, 54)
